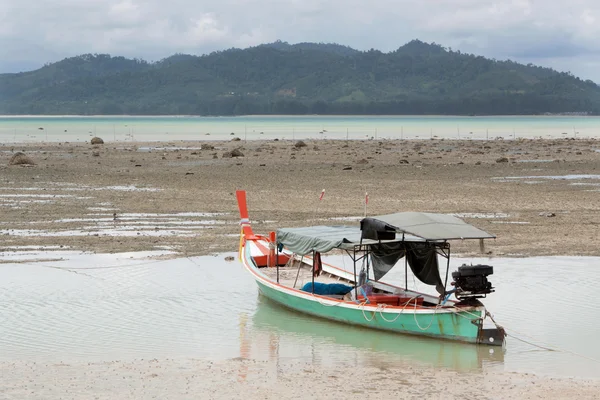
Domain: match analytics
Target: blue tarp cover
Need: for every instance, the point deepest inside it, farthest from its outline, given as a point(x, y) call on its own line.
point(327, 288)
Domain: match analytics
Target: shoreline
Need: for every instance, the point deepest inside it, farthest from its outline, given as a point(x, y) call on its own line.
point(248, 379)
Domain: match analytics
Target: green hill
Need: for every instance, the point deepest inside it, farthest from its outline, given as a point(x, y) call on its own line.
point(304, 78)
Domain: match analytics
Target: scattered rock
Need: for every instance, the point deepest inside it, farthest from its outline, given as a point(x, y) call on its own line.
point(502, 160)
point(363, 161)
point(299, 144)
point(96, 153)
point(478, 163)
point(236, 139)
point(237, 153)
point(20, 159)
point(96, 140)
point(232, 153)
point(229, 258)
point(547, 214)
point(347, 168)
point(189, 173)
point(404, 161)
point(316, 148)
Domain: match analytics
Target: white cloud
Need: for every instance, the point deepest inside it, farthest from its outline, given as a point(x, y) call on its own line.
point(557, 33)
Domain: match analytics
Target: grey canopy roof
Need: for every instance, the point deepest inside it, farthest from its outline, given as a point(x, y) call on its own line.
point(428, 226)
point(325, 238)
point(414, 226)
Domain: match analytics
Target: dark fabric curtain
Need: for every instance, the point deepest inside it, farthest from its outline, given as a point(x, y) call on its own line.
point(423, 261)
point(384, 256)
point(376, 230)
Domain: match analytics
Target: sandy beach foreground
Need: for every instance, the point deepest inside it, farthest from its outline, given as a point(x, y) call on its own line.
point(540, 197)
point(245, 379)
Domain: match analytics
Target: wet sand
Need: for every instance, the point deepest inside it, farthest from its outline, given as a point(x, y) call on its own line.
point(80, 184)
point(96, 198)
point(244, 379)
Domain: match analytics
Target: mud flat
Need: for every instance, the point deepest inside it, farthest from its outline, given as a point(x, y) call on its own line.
point(540, 197)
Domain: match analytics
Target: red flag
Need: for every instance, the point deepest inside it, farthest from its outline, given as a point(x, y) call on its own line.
point(366, 198)
point(322, 195)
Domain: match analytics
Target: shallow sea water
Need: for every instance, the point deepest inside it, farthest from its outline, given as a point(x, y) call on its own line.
point(91, 307)
point(31, 129)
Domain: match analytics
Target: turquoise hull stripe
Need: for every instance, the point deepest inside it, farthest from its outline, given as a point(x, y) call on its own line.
point(441, 325)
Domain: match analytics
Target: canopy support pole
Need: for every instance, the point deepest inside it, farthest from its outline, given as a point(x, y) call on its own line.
point(354, 264)
point(277, 260)
point(405, 271)
point(405, 263)
point(298, 273)
point(313, 271)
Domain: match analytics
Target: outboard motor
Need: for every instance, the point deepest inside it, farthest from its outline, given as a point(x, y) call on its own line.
point(470, 281)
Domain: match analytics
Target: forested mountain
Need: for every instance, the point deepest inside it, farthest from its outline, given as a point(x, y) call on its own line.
point(304, 78)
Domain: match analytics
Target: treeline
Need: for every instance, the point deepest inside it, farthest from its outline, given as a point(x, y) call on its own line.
point(307, 78)
point(501, 105)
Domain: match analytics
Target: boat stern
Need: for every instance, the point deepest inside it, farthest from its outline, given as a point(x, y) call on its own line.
point(490, 333)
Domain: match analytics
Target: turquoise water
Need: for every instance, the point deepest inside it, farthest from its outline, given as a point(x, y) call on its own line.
point(59, 305)
point(161, 128)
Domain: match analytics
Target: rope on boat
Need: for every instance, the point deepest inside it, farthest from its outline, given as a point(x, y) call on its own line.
point(430, 322)
point(381, 309)
point(362, 308)
point(397, 316)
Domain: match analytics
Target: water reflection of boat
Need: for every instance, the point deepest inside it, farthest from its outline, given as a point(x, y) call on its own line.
point(288, 269)
point(295, 332)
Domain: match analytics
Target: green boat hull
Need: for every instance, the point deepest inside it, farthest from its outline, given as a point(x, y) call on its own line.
point(446, 325)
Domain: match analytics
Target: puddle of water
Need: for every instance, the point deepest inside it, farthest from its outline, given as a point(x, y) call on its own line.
point(150, 149)
point(511, 222)
point(93, 231)
point(129, 306)
point(129, 188)
point(480, 215)
point(182, 214)
point(553, 177)
point(134, 221)
point(344, 218)
point(585, 184)
point(40, 196)
point(535, 161)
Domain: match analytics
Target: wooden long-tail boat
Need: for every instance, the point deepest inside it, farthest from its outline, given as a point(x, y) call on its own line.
point(288, 269)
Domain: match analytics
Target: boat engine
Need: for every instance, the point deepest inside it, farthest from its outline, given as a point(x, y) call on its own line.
point(470, 281)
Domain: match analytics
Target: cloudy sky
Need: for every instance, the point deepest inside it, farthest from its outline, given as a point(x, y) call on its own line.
point(556, 33)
